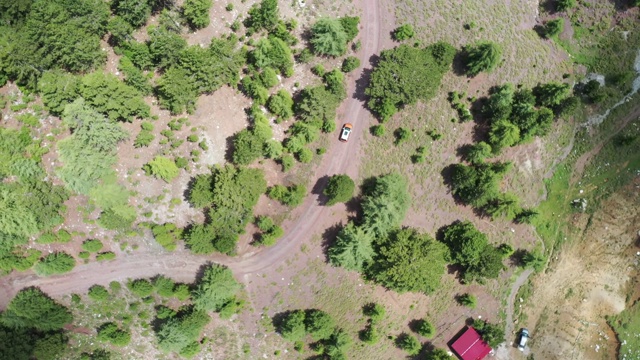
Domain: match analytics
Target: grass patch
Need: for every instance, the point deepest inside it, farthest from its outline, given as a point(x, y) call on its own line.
point(627, 327)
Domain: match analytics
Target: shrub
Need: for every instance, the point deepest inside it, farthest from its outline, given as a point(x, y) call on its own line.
point(106, 256)
point(425, 328)
point(197, 12)
point(377, 130)
point(468, 300)
point(167, 235)
point(403, 32)
point(216, 287)
point(281, 104)
point(319, 324)
point(340, 188)
point(401, 134)
point(375, 312)
point(370, 335)
point(409, 344)
point(292, 195)
point(304, 155)
point(553, 28)
point(483, 56)
point(264, 223)
point(328, 37)
point(163, 168)
point(350, 63)
point(140, 287)
point(292, 326)
point(193, 138)
point(287, 162)
point(144, 138)
point(92, 245)
point(111, 333)
point(179, 332)
point(55, 263)
point(564, 5)
point(98, 292)
point(84, 254)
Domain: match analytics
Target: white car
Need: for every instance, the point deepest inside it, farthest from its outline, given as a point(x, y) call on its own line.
point(345, 132)
point(524, 336)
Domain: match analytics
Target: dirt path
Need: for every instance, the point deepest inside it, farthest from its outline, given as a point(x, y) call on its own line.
point(512, 299)
point(182, 266)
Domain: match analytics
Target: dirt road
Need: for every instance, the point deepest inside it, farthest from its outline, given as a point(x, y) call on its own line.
point(183, 266)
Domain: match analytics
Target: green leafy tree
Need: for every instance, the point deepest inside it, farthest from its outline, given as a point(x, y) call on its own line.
point(176, 91)
point(58, 89)
point(162, 168)
point(180, 331)
point(317, 104)
point(274, 53)
point(350, 63)
point(140, 287)
point(492, 334)
point(477, 184)
point(197, 12)
point(405, 75)
point(292, 326)
point(31, 308)
point(164, 47)
point(111, 333)
point(404, 32)
point(468, 300)
point(340, 188)
point(352, 249)
point(350, 26)
point(465, 242)
point(552, 94)
point(281, 104)
point(386, 204)
point(247, 147)
point(564, 5)
point(120, 30)
point(425, 328)
point(409, 344)
point(438, 354)
point(553, 28)
point(135, 12)
point(55, 263)
point(409, 261)
point(319, 324)
point(98, 293)
point(504, 205)
point(482, 57)
point(370, 335)
point(215, 289)
point(110, 96)
point(375, 312)
point(263, 16)
point(477, 153)
point(328, 37)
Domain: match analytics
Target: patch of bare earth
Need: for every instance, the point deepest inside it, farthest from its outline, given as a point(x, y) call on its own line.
point(587, 281)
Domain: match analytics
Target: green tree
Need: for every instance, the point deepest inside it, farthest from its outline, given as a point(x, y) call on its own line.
point(216, 287)
point(352, 249)
point(140, 287)
point(409, 261)
point(465, 242)
point(317, 104)
point(375, 312)
point(482, 57)
point(425, 328)
point(98, 293)
point(110, 96)
point(120, 30)
point(111, 333)
point(167, 235)
point(328, 37)
point(58, 89)
point(553, 28)
point(340, 188)
point(164, 47)
point(272, 52)
point(492, 334)
point(370, 335)
point(263, 16)
point(477, 184)
point(477, 153)
point(552, 94)
point(488, 266)
point(15, 218)
point(403, 32)
point(135, 12)
point(176, 91)
point(164, 286)
point(51, 346)
point(31, 308)
point(281, 104)
point(564, 5)
point(55, 263)
point(292, 326)
point(162, 168)
point(504, 205)
point(319, 324)
point(386, 204)
point(526, 216)
point(180, 331)
point(350, 26)
point(292, 195)
point(197, 12)
point(534, 260)
point(468, 300)
point(438, 354)
point(500, 103)
point(92, 245)
point(350, 63)
point(409, 344)
point(405, 75)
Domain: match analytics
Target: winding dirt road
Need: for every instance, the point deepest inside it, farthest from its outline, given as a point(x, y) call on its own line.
point(182, 265)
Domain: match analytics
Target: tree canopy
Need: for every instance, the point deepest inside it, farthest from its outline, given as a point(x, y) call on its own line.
point(328, 37)
point(482, 57)
point(31, 308)
point(385, 204)
point(409, 261)
point(216, 288)
point(352, 249)
point(340, 188)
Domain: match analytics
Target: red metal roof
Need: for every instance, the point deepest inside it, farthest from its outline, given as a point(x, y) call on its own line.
point(470, 346)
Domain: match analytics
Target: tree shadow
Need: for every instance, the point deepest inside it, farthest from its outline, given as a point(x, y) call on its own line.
point(230, 148)
point(447, 177)
point(318, 189)
point(414, 324)
point(278, 319)
point(459, 64)
point(361, 85)
point(517, 258)
point(187, 192)
point(463, 150)
point(329, 236)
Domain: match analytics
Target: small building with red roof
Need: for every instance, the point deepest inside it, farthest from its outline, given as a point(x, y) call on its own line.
point(470, 346)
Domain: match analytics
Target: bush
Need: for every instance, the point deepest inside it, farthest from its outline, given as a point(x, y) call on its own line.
point(350, 26)
point(281, 104)
point(401, 134)
point(98, 293)
point(292, 326)
point(197, 12)
point(553, 28)
point(403, 32)
point(564, 5)
point(377, 130)
point(370, 335)
point(216, 287)
point(468, 300)
point(350, 63)
point(167, 235)
point(264, 223)
point(140, 287)
point(409, 344)
point(263, 16)
point(292, 195)
point(482, 57)
point(304, 155)
point(287, 162)
point(117, 218)
point(111, 333)
point(162, 168)
point(164, 286)
point(340, 188)
point(492, 334)
point(425, 328)
point(328, 37)
point(55, 263)
point(92, 245)
point(106, 256)
point(179, 332)
point(375, 312)
point(319, 324)
point(144, 138)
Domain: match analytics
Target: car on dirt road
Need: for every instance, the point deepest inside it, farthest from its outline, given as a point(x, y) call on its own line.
point(524, 336)
point(345, 132)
